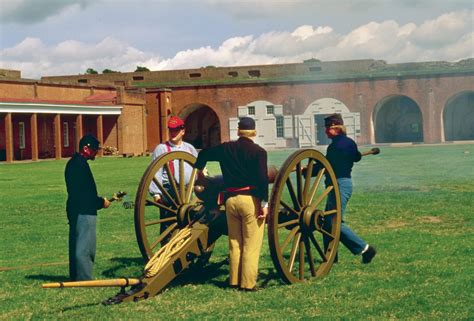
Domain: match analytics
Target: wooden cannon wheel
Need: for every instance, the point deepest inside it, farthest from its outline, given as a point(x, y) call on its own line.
point(150, 236)
point(297, 217)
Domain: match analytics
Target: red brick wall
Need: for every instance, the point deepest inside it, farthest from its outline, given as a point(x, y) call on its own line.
point(431, 95)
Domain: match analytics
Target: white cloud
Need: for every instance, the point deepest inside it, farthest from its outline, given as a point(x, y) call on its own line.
point(444, 30)
point(448, 37)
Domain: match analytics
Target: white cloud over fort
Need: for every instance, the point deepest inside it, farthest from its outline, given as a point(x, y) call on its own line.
point(448, 36)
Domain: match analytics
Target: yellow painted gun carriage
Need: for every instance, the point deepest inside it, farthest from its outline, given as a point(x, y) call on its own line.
point(195, 221)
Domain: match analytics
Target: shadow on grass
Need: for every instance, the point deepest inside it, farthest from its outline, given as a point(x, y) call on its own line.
point(121, 263)
point(199, 274)
point(50, 278)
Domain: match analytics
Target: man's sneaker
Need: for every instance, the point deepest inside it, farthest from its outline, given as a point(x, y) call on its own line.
point(368, 255)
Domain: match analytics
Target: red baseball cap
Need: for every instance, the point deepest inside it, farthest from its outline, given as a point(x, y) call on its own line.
point(175, 123)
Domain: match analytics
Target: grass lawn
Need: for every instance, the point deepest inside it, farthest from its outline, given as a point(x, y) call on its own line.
point(415, 204)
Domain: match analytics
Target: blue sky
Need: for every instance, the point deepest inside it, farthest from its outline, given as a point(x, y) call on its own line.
point(58, 37)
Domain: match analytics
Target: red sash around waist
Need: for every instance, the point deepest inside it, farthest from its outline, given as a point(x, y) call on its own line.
point(232, 190)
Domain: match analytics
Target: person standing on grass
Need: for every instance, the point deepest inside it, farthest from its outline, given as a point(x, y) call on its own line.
point(244, 169)
point(176, 130)
point(342, 153)
point(81, 207)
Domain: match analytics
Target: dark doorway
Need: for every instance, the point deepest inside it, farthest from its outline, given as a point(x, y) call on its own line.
point(202, 127)
point(398, 120)
point(458, 118)
point(321, 137)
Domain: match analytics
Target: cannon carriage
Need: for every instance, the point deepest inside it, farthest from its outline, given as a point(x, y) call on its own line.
point(195, 221)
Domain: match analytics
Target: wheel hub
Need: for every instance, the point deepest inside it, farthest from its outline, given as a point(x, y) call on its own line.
point(311, 218)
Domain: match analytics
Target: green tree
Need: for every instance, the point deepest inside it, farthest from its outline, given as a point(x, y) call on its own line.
point(140, 68)
point(108, 71)
point(91, 71)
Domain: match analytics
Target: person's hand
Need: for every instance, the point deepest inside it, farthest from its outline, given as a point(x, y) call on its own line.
point(157, 198)
point(262, 213)
point(106, 203)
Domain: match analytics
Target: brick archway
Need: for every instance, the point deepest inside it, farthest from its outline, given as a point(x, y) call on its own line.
point(398, 119)
point(458, 117)
point(202, 126)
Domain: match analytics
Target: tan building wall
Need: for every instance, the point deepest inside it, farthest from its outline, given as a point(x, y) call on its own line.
point(126, 131)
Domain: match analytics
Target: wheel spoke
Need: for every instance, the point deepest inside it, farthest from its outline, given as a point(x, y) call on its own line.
point(182, 183)
point(172, 182)
point(310, 256)
point(307, 181)
point(323, 195)
point(325, 213)
point(325, 232)
point(291, 260)
point(289, 237)
point(160, 205)
point(164, 191)
point(291, 222)
point(164, 234)
point(289, 208)
point(317, 246)
point(315, 186)
point(301, 259)
point(291, 191)
point(189, 191)
point(299, 184)
point(163, 220)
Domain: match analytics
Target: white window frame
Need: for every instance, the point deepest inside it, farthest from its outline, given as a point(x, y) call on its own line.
point(280, 128)
point(21, 135)
point(270, 110)
point(66, 134)
point(251, 110)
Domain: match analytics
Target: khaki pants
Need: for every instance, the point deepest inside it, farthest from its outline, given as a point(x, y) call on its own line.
point(245, 239)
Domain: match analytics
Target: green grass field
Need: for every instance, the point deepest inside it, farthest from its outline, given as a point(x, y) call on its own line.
point(415, 204)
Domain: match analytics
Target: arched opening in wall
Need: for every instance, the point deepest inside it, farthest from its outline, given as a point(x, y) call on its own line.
point(203, 128)
point(321, 108)
point(458, 117)
point(398, 119)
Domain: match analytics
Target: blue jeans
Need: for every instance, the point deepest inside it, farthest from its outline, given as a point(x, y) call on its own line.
point(348, 237)
point(82, 246)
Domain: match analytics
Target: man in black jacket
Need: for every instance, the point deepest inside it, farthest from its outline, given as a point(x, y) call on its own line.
point(244, 169)
point(82, 205)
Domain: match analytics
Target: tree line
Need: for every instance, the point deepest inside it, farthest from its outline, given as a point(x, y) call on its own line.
point(91, 71)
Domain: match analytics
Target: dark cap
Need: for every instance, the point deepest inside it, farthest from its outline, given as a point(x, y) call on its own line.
point(246, 123)
point(334, 119)
point(175, 123)
point(90, 141)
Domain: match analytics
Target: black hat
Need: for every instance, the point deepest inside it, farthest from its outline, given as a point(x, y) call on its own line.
point(246, 123)
point(90, 141)
point(334, 119)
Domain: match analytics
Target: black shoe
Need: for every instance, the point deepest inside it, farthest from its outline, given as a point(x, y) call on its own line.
point(254, 289)
point(368, 255)
point(234, 287)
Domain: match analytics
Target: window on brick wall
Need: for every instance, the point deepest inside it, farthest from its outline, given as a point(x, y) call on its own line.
point(254, 73)
point(279, 125)
point(21, 134)
point(270, 110)
point(66, 134)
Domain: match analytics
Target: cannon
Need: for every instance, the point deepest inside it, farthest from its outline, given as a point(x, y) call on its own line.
point(195, 221)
